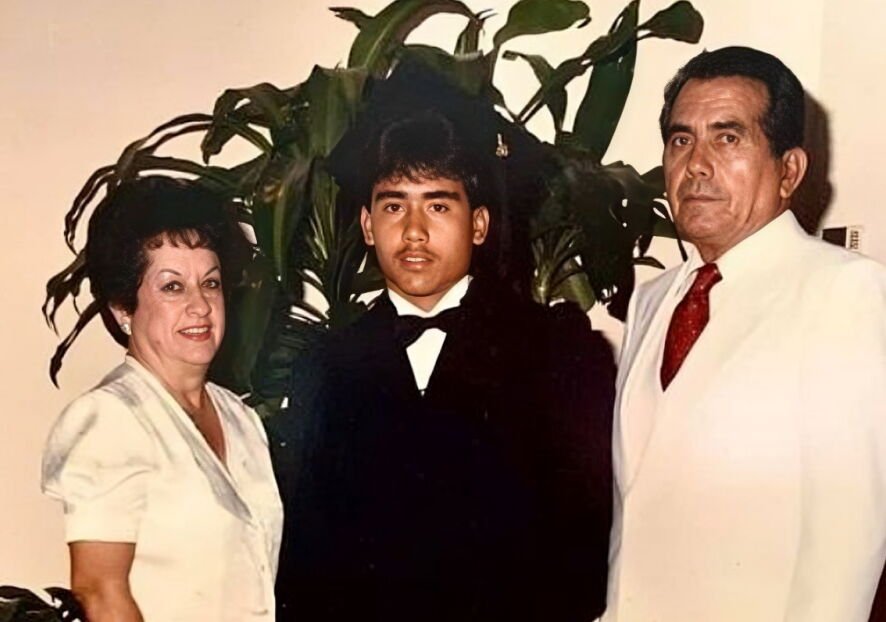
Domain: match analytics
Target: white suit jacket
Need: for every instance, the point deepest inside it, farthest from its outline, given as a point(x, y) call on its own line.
point(757, 489)
point(131, 466)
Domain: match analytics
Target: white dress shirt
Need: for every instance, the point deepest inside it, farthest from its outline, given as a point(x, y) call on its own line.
point(130, 466)
point(423, 353)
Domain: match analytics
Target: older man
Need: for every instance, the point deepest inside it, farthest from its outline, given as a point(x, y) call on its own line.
point(750, 433)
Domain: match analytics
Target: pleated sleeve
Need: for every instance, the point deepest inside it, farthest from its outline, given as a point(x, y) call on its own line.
point(98, 462)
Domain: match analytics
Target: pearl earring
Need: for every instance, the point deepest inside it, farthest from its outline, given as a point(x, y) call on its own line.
point(126, 328)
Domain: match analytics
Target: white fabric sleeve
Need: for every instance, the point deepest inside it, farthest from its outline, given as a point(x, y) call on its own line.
point(843, 541)
point(98, 462)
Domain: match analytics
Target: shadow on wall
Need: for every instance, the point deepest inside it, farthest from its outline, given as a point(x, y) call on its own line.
point(813, 197)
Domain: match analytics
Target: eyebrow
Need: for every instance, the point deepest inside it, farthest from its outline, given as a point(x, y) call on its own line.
point(433, 194)
point(730, 125)
point(441, 194)
point(737, 126)
point(675, 128)
point(214, 268)
point(389, 194)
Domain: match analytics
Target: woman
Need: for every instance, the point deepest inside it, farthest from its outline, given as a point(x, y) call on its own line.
point(171, 509)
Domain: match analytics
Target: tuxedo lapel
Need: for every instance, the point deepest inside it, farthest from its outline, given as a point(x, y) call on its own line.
point(379, 356)
point(466, 367)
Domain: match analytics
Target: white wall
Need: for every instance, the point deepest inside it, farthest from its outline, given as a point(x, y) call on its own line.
point(853, 92)
point(79, 80)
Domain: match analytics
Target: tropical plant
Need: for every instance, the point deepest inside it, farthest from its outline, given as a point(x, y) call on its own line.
point(593, 225)
point(18, 604)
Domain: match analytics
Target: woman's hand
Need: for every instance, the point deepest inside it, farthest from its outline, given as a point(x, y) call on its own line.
point(100, 580)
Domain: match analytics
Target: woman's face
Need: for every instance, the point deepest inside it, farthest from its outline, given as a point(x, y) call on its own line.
point(180, 315)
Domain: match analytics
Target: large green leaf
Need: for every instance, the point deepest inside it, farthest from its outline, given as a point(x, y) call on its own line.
point(55, 364)
point(634, 187)
point(241, 183)
point(552, 250)
point(387, 31)
point(333, 97)
point(263, 104)
point(149, 143)
point(230, 127)
point(355, 16)
point(101, 178)
point(680, 21)
point(595, 200)
point(555, 99)
point(664, 228)
point(281, 208)
point(330, 99)
point(655, 178)
point(286, 339)
point(650, 262)
point(600, 49)
point(147, 162)
point(321, 234)
point(249, 309)
point(532, 17)
point(468, 41)
point(65, 284)
point(604, 101)
point(369, 280)
point(574, 286)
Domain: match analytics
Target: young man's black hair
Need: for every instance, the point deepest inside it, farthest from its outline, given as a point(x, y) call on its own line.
point(426, 144)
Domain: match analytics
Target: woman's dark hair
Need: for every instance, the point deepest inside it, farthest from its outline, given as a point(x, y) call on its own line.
point(425, 144)
point(783, 118)
point(143, 214)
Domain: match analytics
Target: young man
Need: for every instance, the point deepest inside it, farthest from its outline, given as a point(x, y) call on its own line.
point(750, 443)
point(457, 462)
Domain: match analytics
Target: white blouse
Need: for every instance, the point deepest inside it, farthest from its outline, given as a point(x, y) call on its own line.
point(130, 466)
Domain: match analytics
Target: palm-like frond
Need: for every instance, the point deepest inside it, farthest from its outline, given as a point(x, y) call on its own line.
point(310, 266)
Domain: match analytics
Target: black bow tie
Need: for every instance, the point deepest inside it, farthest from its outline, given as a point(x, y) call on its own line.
point(408, 328)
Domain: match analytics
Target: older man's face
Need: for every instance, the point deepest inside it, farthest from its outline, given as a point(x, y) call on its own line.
point(723, 182)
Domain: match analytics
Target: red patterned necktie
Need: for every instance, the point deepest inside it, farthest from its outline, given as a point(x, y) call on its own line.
point(687, 322)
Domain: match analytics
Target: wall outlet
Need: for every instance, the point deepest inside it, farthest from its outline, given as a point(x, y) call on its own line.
point(848, 237)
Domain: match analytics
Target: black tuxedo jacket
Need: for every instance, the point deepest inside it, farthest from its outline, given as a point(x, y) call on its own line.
point(488, 498)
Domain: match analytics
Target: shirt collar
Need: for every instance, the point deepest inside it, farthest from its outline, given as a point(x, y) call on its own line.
point(756, 252)
point(450, 300)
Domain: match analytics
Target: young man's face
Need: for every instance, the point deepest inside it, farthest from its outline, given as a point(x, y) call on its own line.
point(424, 232)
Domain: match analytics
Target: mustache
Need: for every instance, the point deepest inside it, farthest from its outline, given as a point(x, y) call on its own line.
point(420, 251)
point(692, 189)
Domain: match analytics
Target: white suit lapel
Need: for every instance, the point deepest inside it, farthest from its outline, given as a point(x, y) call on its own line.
point(708, 362)
point(644, 314)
